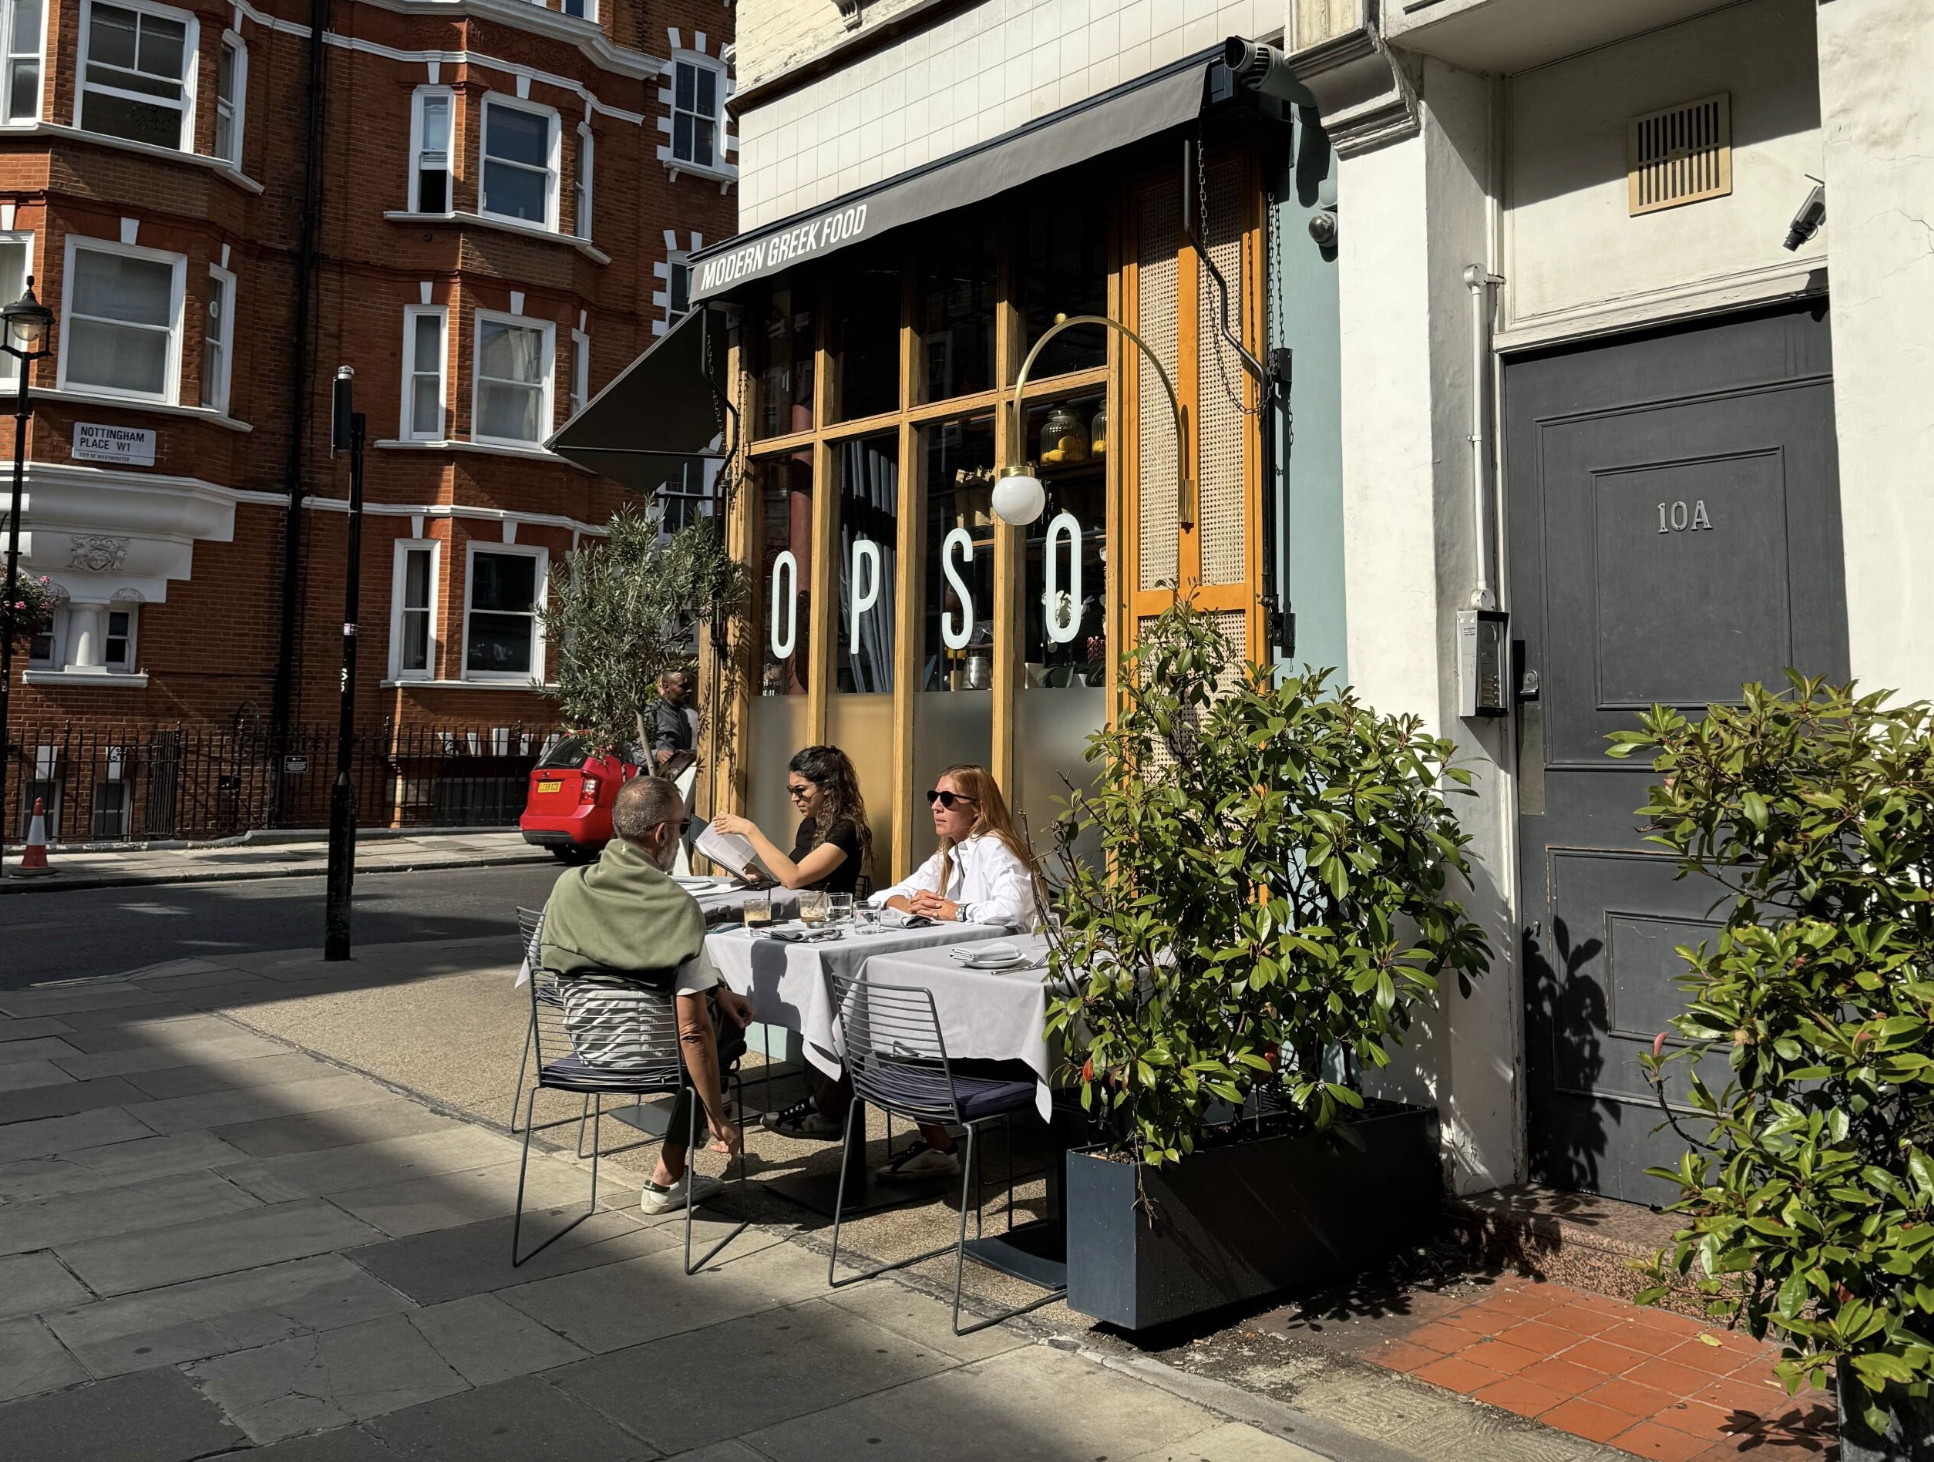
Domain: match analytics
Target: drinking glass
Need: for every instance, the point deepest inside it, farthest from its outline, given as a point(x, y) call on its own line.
point(840, 908)
point(758, 911)
point(868, 917)
point(812, 907)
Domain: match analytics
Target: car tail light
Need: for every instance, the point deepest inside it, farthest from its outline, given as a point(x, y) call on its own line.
point(588, 790)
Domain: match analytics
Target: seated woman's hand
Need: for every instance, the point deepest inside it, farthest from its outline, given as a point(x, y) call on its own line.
point(933, 906)
point(731, 822)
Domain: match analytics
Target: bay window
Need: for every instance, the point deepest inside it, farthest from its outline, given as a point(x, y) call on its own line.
point(519, 162)
point(121, 320)
point(511, 402)
point(137, 73)
point(502, 637)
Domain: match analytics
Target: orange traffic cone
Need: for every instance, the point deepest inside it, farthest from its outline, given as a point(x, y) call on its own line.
point(33, 858)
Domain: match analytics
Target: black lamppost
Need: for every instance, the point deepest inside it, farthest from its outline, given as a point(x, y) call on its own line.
point(26, 323)
point(347, 433)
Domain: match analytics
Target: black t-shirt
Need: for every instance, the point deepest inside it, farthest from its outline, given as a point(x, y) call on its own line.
point(845, 837)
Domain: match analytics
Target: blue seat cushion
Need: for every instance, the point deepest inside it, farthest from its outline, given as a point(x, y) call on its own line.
point(981, 1097)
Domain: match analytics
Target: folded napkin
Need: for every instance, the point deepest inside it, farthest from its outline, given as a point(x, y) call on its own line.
point(901, 919)
point(990, 953)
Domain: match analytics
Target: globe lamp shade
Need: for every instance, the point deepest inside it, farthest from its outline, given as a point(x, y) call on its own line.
point(1019, 497)
point(27, 320)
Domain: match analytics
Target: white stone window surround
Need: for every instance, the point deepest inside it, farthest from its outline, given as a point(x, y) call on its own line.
point(21, 52)
point(170, 392)
point(12, 283)
point(546, 355)
point(425, 102)
point(400, 608)
point(663, 297)
point(496, 105)
point(92, 645)
point(534, 672)
point(233, 107)
point(409, 427)
point(220, 333)
point(191, 49)
point(722, 167)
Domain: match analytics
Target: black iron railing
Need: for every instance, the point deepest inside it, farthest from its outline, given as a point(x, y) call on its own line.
point(105, 785)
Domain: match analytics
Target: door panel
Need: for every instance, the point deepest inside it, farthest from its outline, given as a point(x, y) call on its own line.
point(1674, 516)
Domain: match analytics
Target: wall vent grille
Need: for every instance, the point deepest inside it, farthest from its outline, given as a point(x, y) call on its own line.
point(1680, 155)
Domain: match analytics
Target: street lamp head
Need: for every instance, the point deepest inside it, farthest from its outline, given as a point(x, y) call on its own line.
point(27, 320)
point(1018, 496)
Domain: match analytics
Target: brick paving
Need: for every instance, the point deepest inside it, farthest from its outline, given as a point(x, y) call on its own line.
point(1648, 1382)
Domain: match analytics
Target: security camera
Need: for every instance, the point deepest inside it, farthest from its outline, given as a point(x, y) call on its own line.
point(1262, 68)
point(1806, 223)
point(1322, 228)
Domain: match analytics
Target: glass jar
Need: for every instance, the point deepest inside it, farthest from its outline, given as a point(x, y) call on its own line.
point(1064, 439)
point(1098, 434)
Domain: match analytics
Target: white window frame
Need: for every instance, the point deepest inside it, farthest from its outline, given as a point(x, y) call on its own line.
point(417, 99)
point(493, 102)
point(675, 261)
point(218, 399)
point(56, 624)
point(397, 609)
point(580, 373)
point(8, 55)
point(582, 204)
point(406, 429)
point(590, 11)
point(237, 105)
point(10, 365)
point(539, 666)
point(716, 162)
point(170, 394)
point(191, 57)
point(549, 356)
point(132, 656)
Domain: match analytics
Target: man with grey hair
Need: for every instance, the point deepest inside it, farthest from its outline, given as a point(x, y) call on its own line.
point(626, 916)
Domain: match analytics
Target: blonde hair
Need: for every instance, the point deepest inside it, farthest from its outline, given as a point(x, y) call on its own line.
point(974, 782)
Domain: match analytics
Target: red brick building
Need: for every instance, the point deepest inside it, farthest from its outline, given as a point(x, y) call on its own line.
point(497, 195)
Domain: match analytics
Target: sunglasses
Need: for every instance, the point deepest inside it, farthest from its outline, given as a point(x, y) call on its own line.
point(798, 790)
point(948, 799)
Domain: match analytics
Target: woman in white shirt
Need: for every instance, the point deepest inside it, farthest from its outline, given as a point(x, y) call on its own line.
point(983, 873)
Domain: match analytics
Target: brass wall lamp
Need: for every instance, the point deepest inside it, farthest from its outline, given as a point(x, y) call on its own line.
point(1019, 498)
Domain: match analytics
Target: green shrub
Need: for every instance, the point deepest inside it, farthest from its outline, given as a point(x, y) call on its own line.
point(1809, 1192)
point(1273, 887)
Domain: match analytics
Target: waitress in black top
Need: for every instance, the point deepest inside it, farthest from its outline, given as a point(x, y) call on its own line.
point(834, 844)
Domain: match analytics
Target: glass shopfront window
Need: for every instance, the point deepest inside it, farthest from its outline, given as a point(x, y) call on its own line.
point(869, 510)
point(959, 545)
point(958, 300)
point(1061, 268)
point(783, 350)
point(866, 332)
point(1064, 621)
point(785, 574)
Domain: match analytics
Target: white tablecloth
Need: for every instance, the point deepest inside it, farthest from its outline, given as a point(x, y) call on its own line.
point(786, 983)
point(985, 1015)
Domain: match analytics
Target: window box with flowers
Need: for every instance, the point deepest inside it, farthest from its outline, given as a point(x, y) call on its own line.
point(31, 599)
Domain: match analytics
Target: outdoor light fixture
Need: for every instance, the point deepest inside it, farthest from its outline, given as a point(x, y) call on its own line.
point(1019, 498)
point(25, 339)
point(1813, 212)
point(27, 320)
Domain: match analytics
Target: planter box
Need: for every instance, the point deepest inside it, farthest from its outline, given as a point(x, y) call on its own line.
point(1909, 1437)
point(1239, 1222)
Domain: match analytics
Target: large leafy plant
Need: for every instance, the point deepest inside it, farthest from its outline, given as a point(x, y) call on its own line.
point(625, 609)
point(1809, 1189)
point(1274, 889)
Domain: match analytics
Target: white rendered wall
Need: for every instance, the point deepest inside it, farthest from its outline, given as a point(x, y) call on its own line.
point(1571, 246)
point(1414, 214)
point(972, 76)
point(1877, 102)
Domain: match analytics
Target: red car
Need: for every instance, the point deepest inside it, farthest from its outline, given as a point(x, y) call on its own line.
point(568, 810)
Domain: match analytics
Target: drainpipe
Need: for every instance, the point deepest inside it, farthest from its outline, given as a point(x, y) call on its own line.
point(300, 379)
point(1480, 283)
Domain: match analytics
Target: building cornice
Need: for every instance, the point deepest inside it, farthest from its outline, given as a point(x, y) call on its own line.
point(843, 53)
point(68, 395)
point(1363, 94)
point(461, 219)
point(220, 167)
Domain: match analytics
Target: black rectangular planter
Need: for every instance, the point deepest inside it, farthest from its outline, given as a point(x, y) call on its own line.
point(1248, 1219)
point(1910, 1431)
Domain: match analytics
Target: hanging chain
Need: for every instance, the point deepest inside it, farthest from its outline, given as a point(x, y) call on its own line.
point(1229, 388)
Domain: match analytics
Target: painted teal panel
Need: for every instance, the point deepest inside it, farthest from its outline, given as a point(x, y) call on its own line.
point(1303, 312)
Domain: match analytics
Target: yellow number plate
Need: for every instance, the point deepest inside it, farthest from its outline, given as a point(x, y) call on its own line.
point(550, 786)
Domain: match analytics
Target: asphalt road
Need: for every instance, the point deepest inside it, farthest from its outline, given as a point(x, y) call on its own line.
point(61, 935)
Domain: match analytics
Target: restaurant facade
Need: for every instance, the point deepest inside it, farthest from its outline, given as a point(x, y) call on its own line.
point(1545, 390)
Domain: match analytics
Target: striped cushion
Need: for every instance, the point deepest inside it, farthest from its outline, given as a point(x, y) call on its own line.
point(619, 1027)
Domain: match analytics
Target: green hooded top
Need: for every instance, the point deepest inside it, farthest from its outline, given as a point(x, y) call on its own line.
point(621, 915)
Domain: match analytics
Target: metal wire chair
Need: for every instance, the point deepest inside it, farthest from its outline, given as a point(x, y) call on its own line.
point(893, 1048)
point(610, 1034)
point(530, 938)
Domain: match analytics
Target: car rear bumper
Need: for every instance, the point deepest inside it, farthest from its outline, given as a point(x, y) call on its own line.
point(548, 837)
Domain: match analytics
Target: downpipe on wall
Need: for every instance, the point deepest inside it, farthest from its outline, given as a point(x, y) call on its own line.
point(1480, 281)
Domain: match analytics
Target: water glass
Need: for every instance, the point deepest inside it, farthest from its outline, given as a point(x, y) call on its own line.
point(840, 908)
point(812, 907)
point(758, 911)
point(869, 919)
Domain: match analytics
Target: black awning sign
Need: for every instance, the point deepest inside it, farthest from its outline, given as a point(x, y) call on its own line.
point(802, 241)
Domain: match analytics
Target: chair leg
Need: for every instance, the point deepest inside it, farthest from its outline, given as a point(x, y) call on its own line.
point(517, 1092)
point(691, 1178)
point(832, 1263)
point(523, 1167)
point(960, 1257)
point(1007, 1132)
point(585, 1112)
point(960, 1244)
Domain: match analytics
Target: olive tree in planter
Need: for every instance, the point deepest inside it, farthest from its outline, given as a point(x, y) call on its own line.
point(1809, 1190)
point(1273, 900)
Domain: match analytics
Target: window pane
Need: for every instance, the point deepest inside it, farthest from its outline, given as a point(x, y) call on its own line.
point(433, 191)
point(866, 333)
point(115, 116)
point(1064, 270)
point(957, 309)
point(26, 27)
point(436, 123)
point(414, 653)
point(504, 581)
point(117, 357)
point(508, 411)
point(429, 343)
point(681, 290)
point(786, 363)
point(213, 343)
point(869, 504)
point(708, 92)
point(510, 352)
point(161, 45)
point(684, 79)
point(225, 75)
point(785, 574)
point(23, 89)
point(115, 287)
point(111, 35)
point(499, 644)
point(682, 137)
point(426, 407)
point(704, 143)
point(515, 192)
point(1064, 623)
point(224, 134)
point(517, 136)
point(416, 578)
point(959, 640)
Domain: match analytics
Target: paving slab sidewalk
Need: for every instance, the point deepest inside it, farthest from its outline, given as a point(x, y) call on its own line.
point(280, 855)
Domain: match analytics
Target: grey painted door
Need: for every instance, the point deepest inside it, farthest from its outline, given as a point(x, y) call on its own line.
point(1674, 533)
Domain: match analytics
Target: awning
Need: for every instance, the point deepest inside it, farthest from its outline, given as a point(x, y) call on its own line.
point(665, 409)
point(1126, 114)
